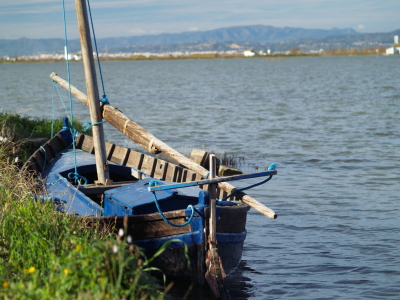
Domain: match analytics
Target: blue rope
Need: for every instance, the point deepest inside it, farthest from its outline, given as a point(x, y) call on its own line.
point(104, 100)
point(156, 182)
point(62, 101)
point(55, 182)
point(270, 168)
point(75, 174)
point(87, 125)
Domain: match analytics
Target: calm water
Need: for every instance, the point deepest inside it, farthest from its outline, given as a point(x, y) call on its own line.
point(330, 124)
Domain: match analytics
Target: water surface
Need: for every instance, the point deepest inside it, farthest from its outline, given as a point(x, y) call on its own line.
point(329, 123)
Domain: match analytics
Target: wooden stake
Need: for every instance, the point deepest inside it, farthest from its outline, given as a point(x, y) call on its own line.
point(92, 91)
point(144, 138)
point(213, 201)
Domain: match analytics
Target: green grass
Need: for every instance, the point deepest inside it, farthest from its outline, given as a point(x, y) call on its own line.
point(47, 254)
point(19, 129)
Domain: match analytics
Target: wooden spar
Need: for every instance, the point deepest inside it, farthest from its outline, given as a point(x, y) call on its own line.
point(213, 201)
point(144, 138)
point(93, 92)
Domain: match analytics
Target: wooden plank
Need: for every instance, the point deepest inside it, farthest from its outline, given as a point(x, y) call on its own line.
point(87, 144)
point(179, 171)
point(39, 157)
point(49, 152)
point(92, 189)
point(57, 144)
point(191, 176)
point(148, 165)
point(161, 169)
point(79, 141)
point(197, 178)
point(135, 159)
point(199, 156)
point(184, 175)
point(120, 155)
point(172, 172)
point(109, 150)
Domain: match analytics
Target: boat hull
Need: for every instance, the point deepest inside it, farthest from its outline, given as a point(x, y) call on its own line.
point(184, 257)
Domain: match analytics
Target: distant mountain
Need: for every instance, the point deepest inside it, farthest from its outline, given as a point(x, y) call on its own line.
point(237, 37)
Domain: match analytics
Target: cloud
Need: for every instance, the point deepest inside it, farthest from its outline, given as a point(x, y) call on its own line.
point(360, 26)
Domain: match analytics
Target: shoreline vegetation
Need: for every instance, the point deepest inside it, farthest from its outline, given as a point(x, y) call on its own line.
point(47, 254)
point(294, 52)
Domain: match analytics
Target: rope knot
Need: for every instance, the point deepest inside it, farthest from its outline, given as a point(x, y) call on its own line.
point(104, 100)
point(154, 182)
point(76, 177)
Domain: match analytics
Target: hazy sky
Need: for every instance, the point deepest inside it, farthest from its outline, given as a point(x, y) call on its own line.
point(112, 18)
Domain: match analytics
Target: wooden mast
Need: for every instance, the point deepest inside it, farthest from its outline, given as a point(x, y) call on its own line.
point(92, 92)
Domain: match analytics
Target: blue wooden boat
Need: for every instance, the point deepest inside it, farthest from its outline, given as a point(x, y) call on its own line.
point(128, 204)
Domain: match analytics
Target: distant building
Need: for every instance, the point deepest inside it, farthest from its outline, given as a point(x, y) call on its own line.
point(249, 52)
point(396, 47)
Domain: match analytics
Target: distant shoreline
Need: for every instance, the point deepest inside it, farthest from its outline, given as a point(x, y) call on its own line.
point(335, 52)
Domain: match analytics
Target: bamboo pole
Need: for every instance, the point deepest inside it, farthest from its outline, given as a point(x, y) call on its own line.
point(144, 138)
point(93, 92)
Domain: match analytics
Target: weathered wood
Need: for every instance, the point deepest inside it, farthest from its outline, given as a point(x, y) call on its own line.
point(149, 225)
point(109, 150)
point(149, 165)
point(93, 189)
point(213, 201)
point(172, 172)
point(135, 160)
point(85, 143)
point(144, 138)
point(57, 144)
point(39, 157)
point(161, 169)
point(120, 155)
point(49, 152)
point(92, 91)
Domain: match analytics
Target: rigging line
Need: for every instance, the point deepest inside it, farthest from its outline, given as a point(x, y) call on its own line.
point(97, 52)
point(69, 86)
point(52, 106)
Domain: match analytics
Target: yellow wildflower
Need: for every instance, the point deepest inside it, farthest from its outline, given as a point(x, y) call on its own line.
point(107, 295)
point(31, 270)
point(67, 271)
point(6, 285)
point(79, 247)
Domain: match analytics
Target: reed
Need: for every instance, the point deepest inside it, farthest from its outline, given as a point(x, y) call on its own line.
point(46, 254)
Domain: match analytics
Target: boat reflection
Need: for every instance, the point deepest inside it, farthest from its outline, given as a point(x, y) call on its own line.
point(238, 284)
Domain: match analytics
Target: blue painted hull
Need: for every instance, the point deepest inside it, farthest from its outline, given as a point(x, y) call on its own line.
point(129, 205)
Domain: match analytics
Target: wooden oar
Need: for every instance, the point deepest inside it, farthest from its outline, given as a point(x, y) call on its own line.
point(148, 141)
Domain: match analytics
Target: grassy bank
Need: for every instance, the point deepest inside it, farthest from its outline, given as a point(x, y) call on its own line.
point(22, 131)
point(46, 254)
